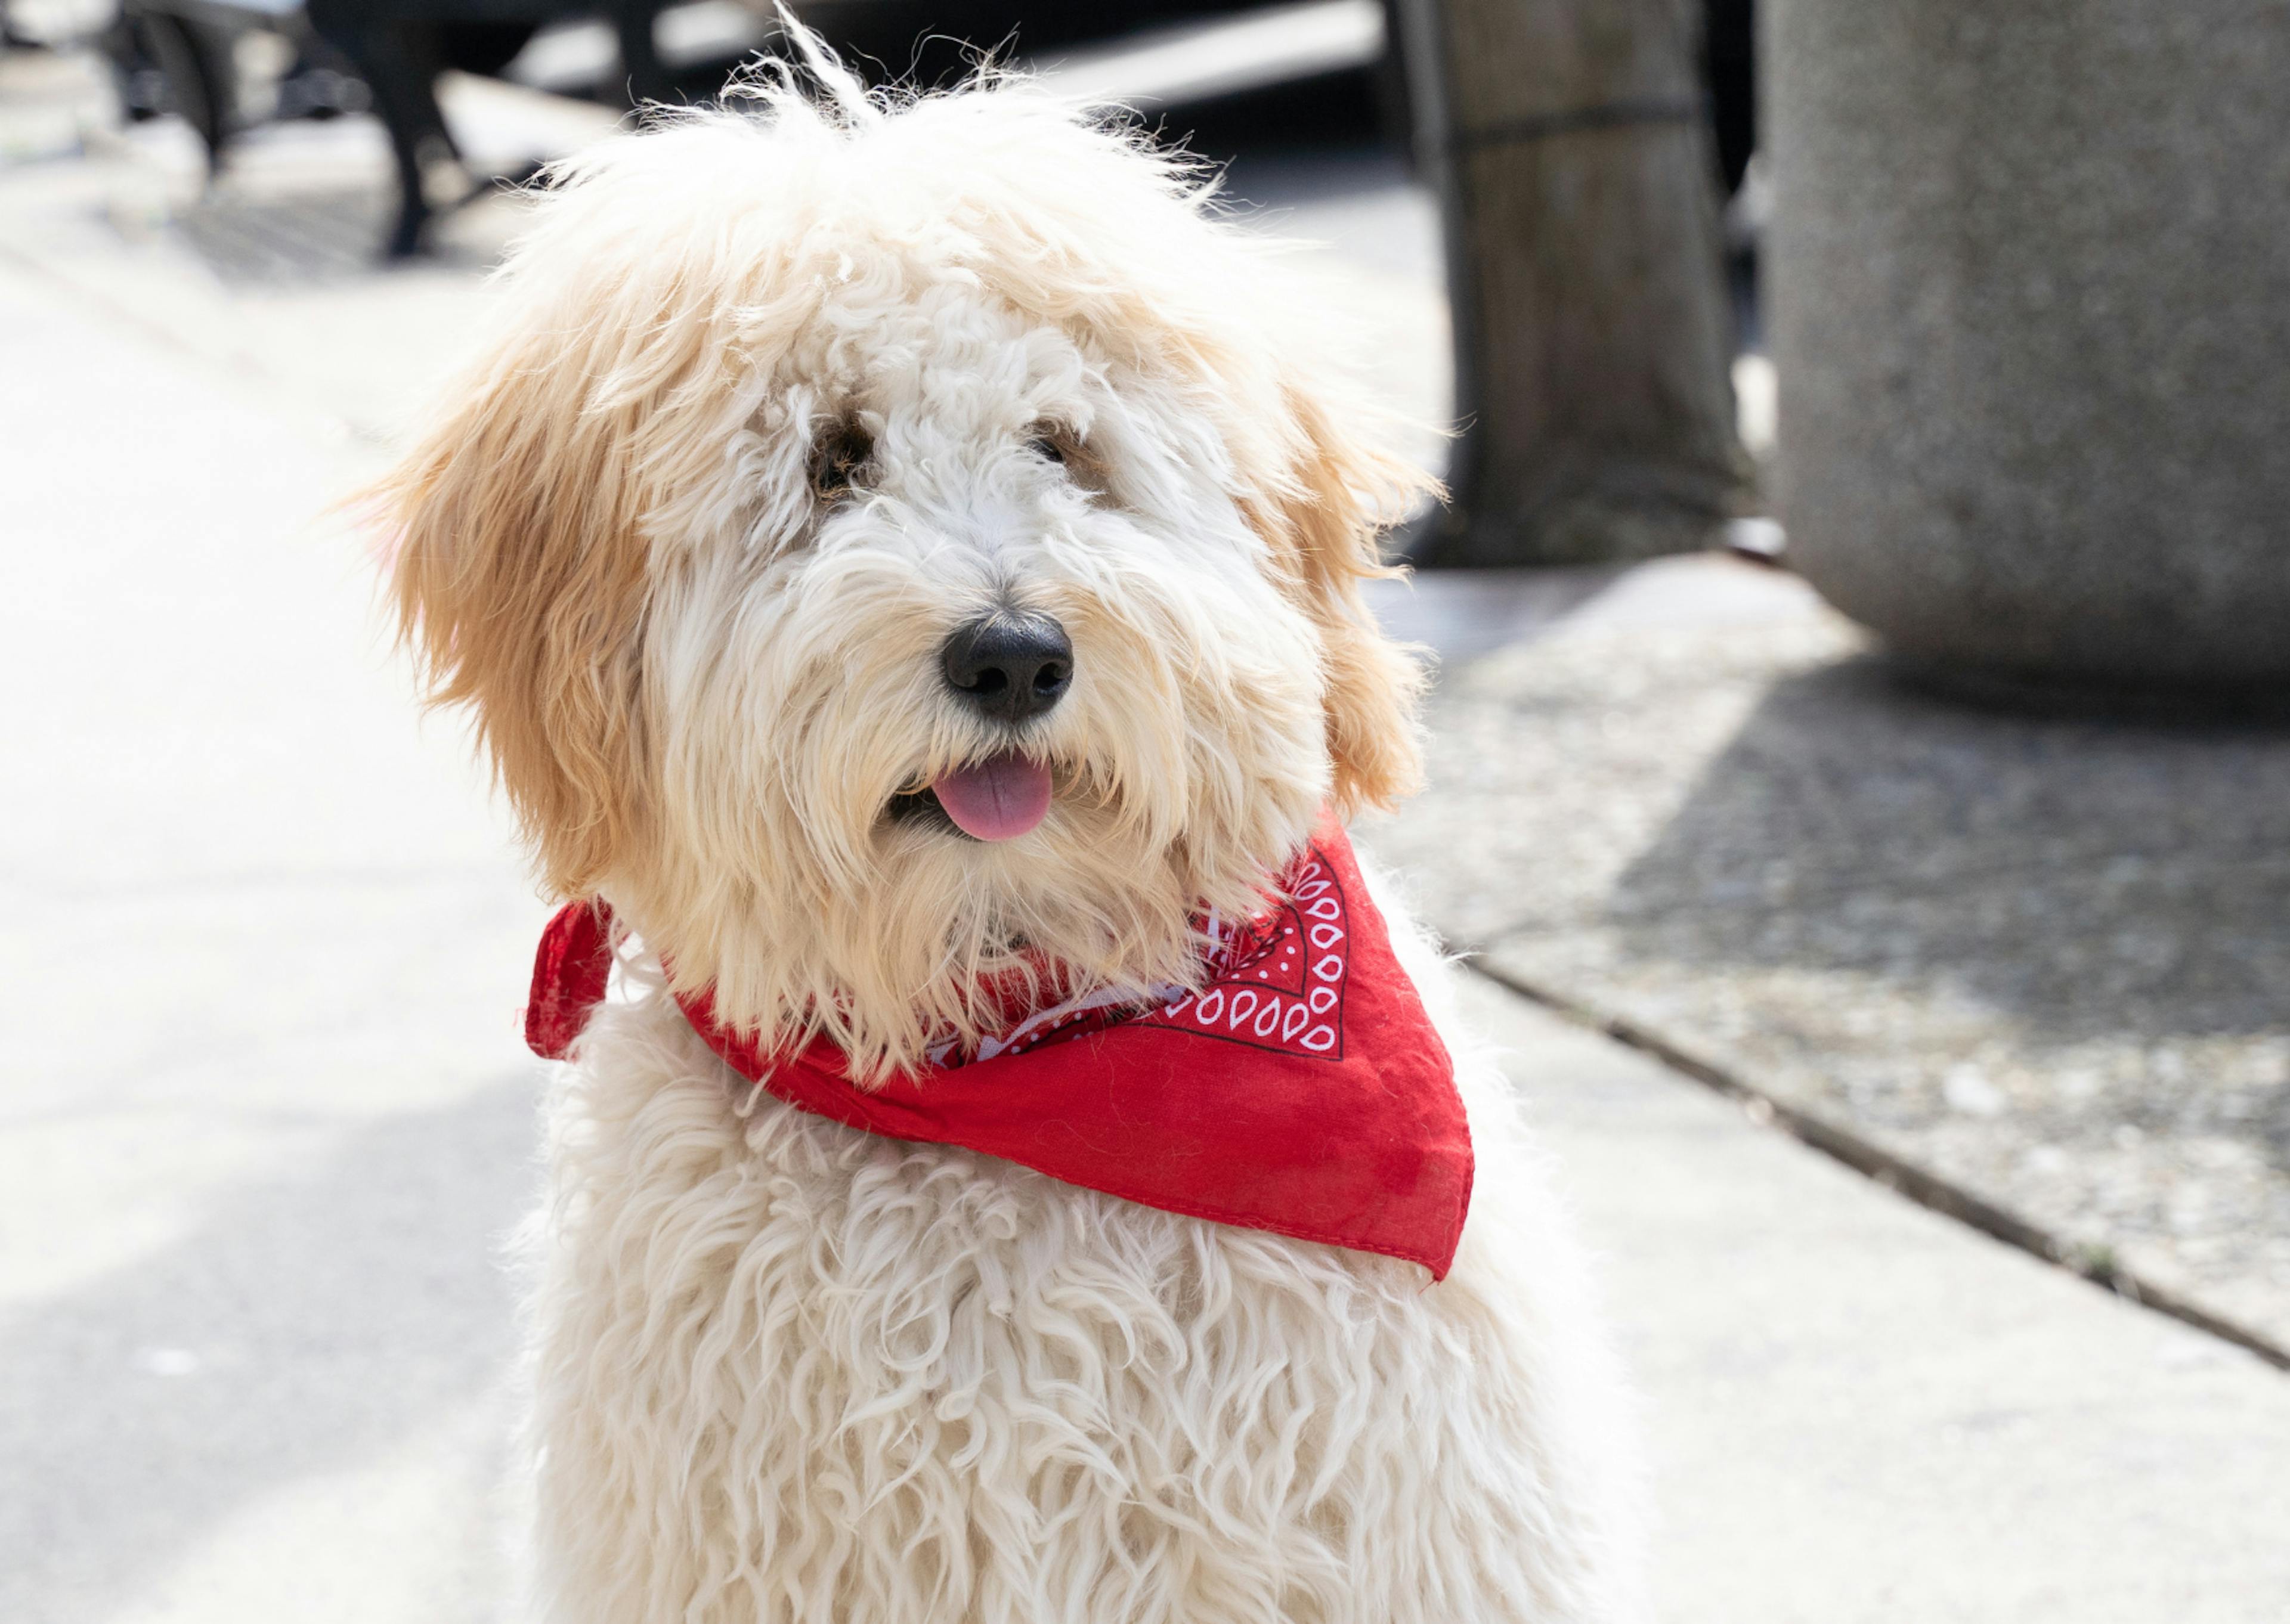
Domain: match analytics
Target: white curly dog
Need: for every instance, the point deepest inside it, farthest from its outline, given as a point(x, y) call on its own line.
point(903, 554)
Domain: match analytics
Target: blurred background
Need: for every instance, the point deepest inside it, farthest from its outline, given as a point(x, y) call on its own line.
point(1860, 748)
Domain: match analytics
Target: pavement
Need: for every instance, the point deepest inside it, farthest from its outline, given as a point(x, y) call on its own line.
point(271, 1116)
point(2042, 957)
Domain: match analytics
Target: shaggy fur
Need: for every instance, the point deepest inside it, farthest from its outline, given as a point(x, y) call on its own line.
point(780, 397)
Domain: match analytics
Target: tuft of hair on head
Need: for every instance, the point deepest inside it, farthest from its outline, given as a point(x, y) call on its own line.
point(842, 90)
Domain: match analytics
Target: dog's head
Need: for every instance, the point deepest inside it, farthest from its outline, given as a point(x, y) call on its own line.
point(888, 546)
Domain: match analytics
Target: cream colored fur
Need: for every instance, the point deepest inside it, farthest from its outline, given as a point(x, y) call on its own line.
point(788, 1370)
point(778, 398)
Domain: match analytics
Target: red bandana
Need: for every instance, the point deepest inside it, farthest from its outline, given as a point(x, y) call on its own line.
point(1303, 1091)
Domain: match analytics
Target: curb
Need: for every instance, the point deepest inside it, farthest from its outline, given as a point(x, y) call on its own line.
point(1927, 1188)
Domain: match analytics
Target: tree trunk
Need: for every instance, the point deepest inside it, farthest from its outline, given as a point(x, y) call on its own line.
point(1593, 341)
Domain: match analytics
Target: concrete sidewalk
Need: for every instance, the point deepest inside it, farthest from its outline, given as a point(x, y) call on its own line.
point(1861, 1412)
point(265, 1119)
point(2042, 957)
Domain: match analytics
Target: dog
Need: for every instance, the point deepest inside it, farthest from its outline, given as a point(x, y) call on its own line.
point(904, 556)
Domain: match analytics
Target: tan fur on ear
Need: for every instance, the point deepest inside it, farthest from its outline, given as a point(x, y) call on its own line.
point(1327, 515)
point(519, 580)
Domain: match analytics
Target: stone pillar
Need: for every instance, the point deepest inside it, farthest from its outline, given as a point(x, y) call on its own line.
point(2029, 296)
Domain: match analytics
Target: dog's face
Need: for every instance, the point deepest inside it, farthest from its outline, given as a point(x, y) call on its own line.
point(888, 553)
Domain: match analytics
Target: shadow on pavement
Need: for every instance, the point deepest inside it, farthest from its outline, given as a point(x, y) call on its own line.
point(2041, 958)
point(2091, 880)
point(303, 1325)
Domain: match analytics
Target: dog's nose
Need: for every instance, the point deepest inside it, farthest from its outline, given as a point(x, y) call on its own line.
point(1010, 666)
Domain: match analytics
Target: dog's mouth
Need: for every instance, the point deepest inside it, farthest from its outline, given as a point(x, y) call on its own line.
point(999, 797)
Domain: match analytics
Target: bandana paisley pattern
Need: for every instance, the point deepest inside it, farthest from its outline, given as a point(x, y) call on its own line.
point(1276, 981)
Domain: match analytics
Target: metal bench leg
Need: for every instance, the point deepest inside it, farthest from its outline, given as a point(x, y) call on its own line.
point(195, 64)
point(646, 74)
point(393, 61)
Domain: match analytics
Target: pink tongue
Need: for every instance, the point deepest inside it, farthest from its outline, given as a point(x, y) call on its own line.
point(997, 799)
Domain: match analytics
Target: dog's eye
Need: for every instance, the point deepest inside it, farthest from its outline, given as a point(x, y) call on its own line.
point(1050, 444)
point(839, 460)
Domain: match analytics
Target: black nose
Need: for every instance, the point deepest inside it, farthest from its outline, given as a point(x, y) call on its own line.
point(1010, 666)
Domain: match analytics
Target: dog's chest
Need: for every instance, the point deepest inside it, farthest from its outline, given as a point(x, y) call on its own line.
point(878, 1373)
point(811, 1252)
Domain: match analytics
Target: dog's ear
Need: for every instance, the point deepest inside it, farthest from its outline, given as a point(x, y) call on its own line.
point(517, 572)
point(1324, 516)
